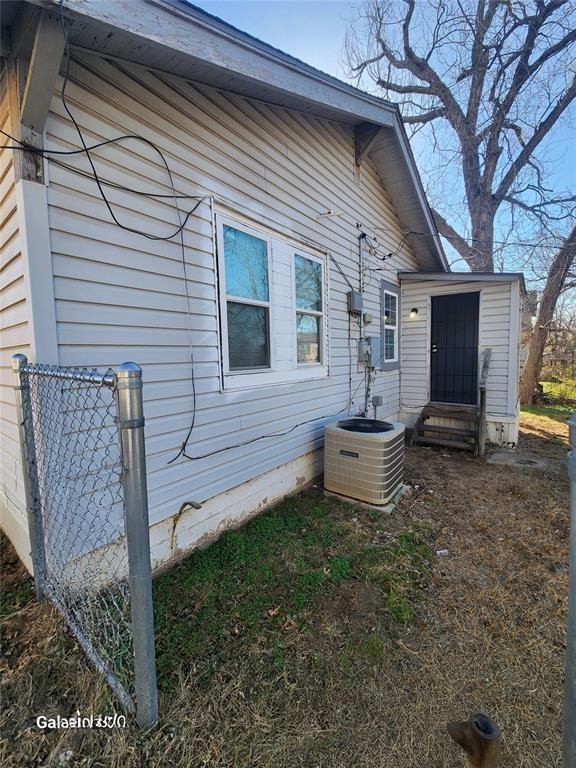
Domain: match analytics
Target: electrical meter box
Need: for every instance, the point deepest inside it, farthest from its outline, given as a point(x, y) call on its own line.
point(375, 350)
point(355, 302)
point(369, 351)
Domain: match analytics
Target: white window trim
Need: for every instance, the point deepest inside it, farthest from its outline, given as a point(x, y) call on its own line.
point(388, 326)
point(242, 380)
point(322, 364)
point(225, 298)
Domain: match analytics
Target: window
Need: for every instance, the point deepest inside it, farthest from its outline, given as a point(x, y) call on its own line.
point(247, 300)
point(390, 325)
point(309, 324)
point(273, 308)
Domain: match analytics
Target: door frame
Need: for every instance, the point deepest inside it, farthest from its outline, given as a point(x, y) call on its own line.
point(429, 297)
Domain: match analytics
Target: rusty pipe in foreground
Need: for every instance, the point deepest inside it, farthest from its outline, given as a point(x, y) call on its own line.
point(480, 738)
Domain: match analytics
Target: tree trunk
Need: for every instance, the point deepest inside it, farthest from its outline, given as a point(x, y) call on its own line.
point(482, 258)
point(554, 284)
point(479, 254)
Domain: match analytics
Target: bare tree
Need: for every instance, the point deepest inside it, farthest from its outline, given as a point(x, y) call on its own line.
point(488, 80)
point(558, 278)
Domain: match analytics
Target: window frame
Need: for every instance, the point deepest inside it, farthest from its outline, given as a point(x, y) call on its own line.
point(282, 298)
point(223, 221)
point(390, 289)
point(303, 253)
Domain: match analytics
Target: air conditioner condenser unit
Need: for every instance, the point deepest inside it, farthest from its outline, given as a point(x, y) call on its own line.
point(364, 459)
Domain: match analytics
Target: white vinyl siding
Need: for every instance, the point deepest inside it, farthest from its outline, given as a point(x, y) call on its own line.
point(14, 337)
point(122, 297)
point(498, 330)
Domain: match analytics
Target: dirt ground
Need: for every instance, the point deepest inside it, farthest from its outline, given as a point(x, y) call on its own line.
point(356, 688)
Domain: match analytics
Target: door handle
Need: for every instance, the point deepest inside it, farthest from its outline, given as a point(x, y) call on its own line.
point(434, 348)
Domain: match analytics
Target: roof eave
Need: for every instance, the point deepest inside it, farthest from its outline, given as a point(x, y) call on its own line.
point(465, 277)
point(188, 42)
point(392, 155)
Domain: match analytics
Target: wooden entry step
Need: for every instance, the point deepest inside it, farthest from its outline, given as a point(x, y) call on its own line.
point(451, 411)
point(460, 444)
point(464, 435)
point(448, 430)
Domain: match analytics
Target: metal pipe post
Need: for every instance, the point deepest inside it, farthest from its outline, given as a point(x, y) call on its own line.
point(29, 471)
point(131, 426)
point(570, 677)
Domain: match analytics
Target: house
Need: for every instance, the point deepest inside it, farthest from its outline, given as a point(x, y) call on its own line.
point(299, 199)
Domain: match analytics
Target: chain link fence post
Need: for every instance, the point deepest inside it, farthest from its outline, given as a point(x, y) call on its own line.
point(131, 426)
point(570, 676)
point(29, 471)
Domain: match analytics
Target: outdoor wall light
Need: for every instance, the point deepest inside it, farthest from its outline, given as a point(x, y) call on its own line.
point(414, 312)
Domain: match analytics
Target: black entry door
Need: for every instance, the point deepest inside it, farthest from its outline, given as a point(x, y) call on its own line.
point(454, 351)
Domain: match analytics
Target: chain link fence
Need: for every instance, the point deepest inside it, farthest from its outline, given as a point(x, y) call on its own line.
point(81, 434)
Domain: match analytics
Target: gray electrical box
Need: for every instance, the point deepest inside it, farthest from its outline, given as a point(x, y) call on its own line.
point(364, 352)
point(369, 351)
point(374, 345)
point(355, 302)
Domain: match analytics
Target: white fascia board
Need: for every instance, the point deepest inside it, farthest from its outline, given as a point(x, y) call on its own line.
point(460, 277)
point(198, 37)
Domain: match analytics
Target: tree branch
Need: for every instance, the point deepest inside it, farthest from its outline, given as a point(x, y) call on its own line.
point(422, 69)
point(448, 231)
point(541, 131)
point(495, 70)
point(425, 117)
point(522, 73)
point(424, 90)
point(539, 209)
point(523, 69)
point(479, 58)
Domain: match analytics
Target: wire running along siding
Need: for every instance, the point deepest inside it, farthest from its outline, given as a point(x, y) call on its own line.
point(115, 292)
point(78, 492)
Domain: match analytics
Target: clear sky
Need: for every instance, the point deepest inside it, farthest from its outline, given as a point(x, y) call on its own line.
point(311, 30)
point(314, 31)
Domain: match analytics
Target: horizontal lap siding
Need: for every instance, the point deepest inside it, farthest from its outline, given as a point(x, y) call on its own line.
point(14, 336)
point(495, 328)
point(495, 332)
point(121, 296)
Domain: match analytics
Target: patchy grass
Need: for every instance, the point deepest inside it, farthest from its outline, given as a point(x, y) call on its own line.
point(562, 391)
point(255, 586)
point(557, 411)
point(373, 647)
point(16, 587)
point(325, 635)
point(562, 401)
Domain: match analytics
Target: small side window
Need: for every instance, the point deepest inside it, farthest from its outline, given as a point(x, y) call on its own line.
point(309, 310)
point(390, 326)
